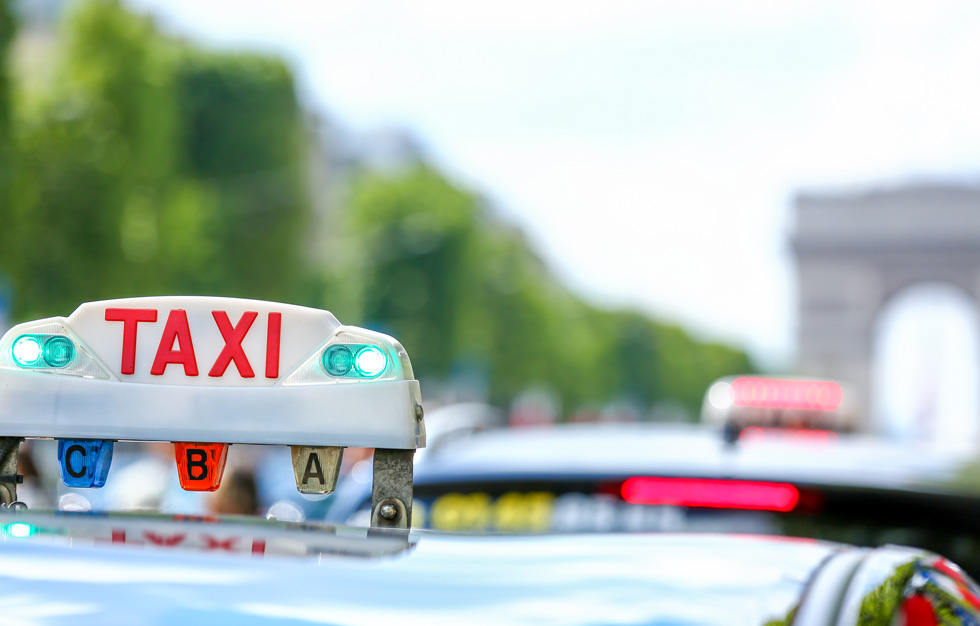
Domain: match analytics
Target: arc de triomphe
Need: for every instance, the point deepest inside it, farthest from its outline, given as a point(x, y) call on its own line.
point(854, 252)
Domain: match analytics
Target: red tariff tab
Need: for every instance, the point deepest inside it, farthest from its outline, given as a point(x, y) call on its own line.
point(200, 465)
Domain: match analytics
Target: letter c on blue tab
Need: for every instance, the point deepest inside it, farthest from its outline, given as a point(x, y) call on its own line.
point(74, 449)
point(84, 462)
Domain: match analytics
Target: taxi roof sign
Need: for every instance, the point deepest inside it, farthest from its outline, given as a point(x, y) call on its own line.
point(206, 372)
point(207, 369)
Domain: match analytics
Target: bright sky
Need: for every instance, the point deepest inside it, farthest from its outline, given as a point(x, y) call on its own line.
point(650, 149)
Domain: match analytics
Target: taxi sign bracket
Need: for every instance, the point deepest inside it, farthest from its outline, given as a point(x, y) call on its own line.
point(9, 478)
point(392, 487)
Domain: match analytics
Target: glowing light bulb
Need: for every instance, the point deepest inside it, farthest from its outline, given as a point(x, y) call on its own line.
point(27, 350)
point(370, 361)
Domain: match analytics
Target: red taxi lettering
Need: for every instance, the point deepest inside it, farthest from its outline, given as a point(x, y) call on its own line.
point(233, 336)
point(210, 543)
point(272, 345)
point(130, 318)
point(258, 546)
point(118, 536)
point(176, 331)
point(167, 541)
point(177, 346)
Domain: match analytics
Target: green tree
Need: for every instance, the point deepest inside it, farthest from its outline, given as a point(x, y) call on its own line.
point(412, 234)
point(152, 167)
point(243, 135)
point(462, 290)
point(635, 348)
point(94, 154)
point(7, 29)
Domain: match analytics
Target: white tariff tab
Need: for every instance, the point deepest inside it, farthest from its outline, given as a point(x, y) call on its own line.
point(200, 340)
point(316, 468)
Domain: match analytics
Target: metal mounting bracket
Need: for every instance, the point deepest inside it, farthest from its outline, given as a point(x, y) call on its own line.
point(9, 478)
point(391, 490)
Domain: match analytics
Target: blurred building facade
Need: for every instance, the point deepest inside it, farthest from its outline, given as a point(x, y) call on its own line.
point(855, 252)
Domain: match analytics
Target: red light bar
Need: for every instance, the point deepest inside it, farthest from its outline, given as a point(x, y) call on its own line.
point(809, 395)
point(704, 492)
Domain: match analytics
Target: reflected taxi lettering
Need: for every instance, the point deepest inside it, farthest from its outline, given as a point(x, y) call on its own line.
point(177, 345)
point(201, 541)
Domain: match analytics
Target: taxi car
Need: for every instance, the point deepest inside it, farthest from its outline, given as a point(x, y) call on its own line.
point(686, 478)
point(205, 373)
point(194, 571)
point(803, 475)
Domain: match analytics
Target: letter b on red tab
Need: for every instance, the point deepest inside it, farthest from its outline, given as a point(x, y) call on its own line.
point(200, 465)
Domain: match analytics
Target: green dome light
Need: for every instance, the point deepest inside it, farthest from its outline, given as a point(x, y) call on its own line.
point(27, 350)
point(58, 351)
point(370, 362)
point(338, 360)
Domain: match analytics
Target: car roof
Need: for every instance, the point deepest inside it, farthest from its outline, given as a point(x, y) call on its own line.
point(584, 450)
point(436, 578)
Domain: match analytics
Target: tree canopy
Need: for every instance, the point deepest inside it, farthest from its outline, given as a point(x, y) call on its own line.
point(465, 293)
point(150, 166)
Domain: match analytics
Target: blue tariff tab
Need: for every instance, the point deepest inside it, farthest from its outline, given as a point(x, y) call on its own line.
point(84, 462)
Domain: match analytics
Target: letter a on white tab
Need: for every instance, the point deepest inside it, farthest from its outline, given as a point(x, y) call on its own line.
point(316, 468)
point(175, 332)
